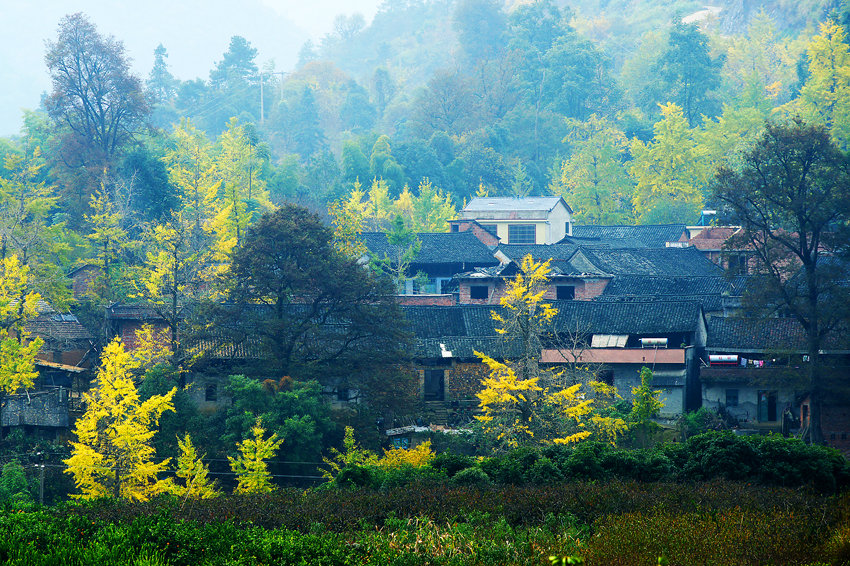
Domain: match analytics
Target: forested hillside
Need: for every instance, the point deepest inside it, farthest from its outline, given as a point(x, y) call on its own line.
point(625, 108)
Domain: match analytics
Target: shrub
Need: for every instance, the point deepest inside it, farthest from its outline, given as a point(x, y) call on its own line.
point(451, 462)
point(473, 476)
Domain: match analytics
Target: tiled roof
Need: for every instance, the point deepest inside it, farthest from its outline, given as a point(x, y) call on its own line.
point(762, 335)
point(678, 286)
point(487, 204)
point(462, 328)
point(558, 254)
point(651, 235)
point(442, 247)
point(637, 317)
point(123, 311)
point(60, 330)
point(675, 262)
point(712, 238)
point(709, 303)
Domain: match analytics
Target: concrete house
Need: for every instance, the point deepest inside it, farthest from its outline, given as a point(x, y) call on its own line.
point(529, 220)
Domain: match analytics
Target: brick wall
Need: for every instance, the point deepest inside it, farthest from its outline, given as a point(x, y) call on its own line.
point(82, 280)
point(585, 289)
point(486, 237)
point(465, 381)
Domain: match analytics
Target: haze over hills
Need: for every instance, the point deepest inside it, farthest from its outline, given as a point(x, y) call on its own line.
point(195, 33)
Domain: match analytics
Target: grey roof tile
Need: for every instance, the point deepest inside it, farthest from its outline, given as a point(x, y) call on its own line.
point(763, 335)
point(675, 262)
point(442, 247)
point(640, 236)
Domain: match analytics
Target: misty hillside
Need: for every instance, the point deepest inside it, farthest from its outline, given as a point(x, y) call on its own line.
point(625, 108)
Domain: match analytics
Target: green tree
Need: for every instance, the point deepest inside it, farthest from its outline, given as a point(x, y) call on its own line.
point(250, 467)
point(355, 166)
point(688, 73)
point(761, 57)
point(307, 134)
point(645, 407)
point(670, 171)
point(405, 246)
point(112, 454)
point(175, 276)
point(384, 167)
point(161, 84)
point(595, 180)
point(18, 306)
point(294, 410)
point(825, 96)
point(309, 311)
point(790, 195)
point(29, 229)
point(481, 28)
point(237, 66)
point(242, 194)
point(13, 484)
point(94, 97)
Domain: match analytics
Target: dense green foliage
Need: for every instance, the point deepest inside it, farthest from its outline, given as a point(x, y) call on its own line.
point(606, 523)
point(765, 460)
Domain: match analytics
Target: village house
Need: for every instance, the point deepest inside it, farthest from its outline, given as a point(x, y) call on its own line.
point(756, 370)
point(529, 220)
point(616, 338)
point(63, 374)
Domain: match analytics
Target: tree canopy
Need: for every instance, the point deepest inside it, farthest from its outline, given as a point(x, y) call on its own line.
point(791, 195)
point(308, 310)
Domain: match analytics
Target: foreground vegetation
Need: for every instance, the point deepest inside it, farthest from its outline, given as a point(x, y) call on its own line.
point(604, 523)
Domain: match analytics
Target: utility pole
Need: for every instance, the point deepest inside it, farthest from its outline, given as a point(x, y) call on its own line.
point(41, 478)
point(262, 93)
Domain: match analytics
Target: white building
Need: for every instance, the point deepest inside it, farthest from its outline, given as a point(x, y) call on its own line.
point(530, 220)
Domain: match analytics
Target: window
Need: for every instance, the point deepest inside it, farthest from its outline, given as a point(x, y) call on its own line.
point(767, 406)
point(342, 394)
point(455, 228)
point(491, 228)
point(211, 393)
point(731, 397)
point(522, 234)
point(565, 292)
point(434, 385)
point(479, 292)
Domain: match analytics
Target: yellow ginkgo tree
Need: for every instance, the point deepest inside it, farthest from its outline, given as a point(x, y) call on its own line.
point(252, 472)
point(192, 474)
point(112, 454)
point(522, 403)
point(18, 305)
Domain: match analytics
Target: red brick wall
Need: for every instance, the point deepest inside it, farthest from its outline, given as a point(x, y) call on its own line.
point(584, 290)
point(127, 331)
point(486, 237)
point(496, 290)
